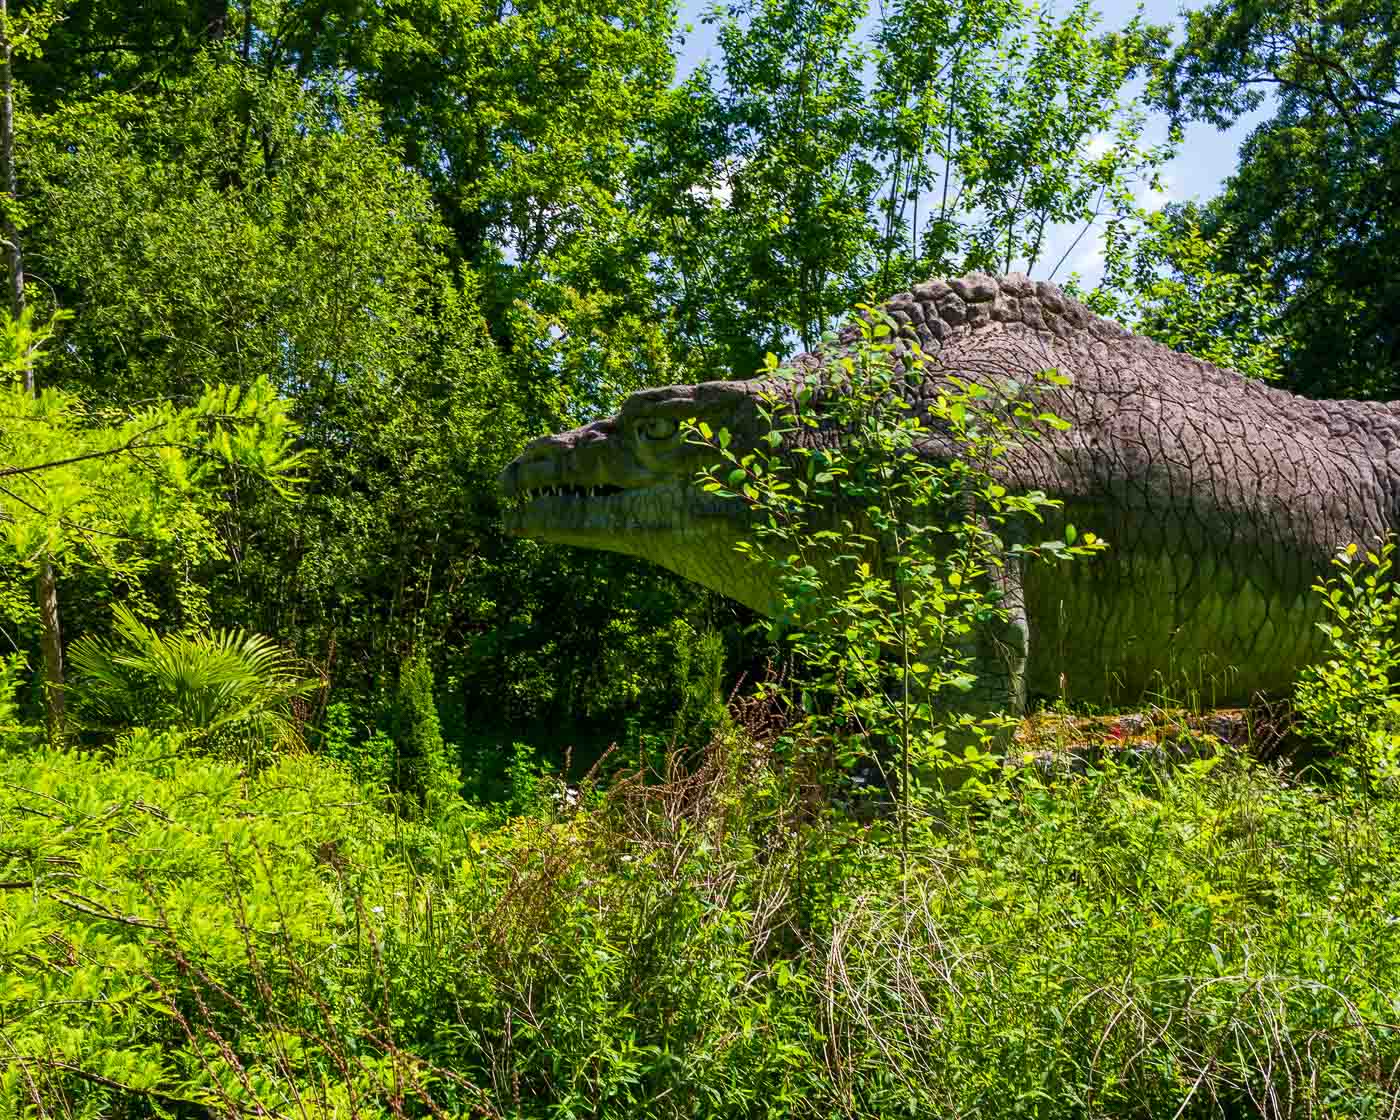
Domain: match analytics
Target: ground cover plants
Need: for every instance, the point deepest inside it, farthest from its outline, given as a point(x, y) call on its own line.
point(181, 938)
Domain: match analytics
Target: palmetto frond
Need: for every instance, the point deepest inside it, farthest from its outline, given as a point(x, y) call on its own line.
point(230, 681)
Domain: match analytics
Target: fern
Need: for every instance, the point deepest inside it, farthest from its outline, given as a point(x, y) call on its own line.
point(229, 688)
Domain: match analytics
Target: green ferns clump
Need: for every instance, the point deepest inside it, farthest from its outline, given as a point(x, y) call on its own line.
point(226, 691)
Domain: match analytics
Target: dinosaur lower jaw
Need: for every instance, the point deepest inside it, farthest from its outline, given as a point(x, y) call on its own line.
point(672, 524)
point(613, 517)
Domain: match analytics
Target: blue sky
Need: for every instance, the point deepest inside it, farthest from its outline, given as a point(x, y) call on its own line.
point(1205, 158)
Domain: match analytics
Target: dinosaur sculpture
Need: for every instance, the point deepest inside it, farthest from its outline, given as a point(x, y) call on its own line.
point(1223, 499)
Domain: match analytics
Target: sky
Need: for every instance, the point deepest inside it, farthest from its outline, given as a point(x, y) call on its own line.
point(1206, 155)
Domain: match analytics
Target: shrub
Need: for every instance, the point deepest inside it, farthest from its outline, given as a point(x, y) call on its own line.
point(226, 691)
point(1347, 702)
point(887, 534)
point(423, 778)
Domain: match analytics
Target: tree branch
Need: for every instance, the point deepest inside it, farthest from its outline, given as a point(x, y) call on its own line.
point(130, 446)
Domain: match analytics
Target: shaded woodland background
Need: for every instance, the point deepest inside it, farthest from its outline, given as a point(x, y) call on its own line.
point(443, 227)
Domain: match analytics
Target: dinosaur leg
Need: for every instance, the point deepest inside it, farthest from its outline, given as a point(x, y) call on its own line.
point(1003, 645)
point(998, 651)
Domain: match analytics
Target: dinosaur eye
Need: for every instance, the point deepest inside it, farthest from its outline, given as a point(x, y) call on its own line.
point(657, 427)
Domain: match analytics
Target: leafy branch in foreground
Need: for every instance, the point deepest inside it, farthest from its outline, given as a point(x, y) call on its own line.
point(91, 491)
point(1348, 702)
point(70, 472)
point(894, 549)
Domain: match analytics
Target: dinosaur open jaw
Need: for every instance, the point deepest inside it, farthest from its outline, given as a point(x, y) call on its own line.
point(532, 508)
point(528, 496)
point(570, 514)
point(589, 492)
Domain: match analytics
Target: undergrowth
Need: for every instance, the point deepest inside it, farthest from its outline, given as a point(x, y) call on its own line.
point(179, 938)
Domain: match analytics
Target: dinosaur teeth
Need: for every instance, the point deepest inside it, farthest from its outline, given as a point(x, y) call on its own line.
point(593, 492)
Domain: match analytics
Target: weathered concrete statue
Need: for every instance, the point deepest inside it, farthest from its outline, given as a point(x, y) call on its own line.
point(1222, 499)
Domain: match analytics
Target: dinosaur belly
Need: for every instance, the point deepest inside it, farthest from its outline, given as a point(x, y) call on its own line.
point(1151, 618)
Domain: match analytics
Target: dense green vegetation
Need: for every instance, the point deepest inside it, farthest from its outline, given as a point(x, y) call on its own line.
point(307, 800)
point(192, 940)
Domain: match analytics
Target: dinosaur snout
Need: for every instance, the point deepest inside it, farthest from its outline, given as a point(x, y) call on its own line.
point(540, 464)
point(581, 457)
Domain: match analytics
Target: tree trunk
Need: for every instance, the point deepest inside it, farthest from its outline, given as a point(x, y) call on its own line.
point(215, 20)
point(46, 585)
point(51, 641)
point(8, 181)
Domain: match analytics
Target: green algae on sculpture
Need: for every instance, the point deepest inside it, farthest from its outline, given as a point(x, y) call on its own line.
point(1224, 499)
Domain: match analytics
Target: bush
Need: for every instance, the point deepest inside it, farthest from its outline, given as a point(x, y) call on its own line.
point(423, 778)
point(175, 935)
point(1347, 701)
point(227, 691)
point(893, 550)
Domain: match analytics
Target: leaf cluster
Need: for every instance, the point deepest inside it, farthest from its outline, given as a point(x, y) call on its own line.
point(90, 489)
point(1347, 701)
point(228, 691)
point(878, 514)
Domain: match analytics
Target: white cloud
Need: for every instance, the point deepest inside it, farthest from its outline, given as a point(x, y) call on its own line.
point(721, 191)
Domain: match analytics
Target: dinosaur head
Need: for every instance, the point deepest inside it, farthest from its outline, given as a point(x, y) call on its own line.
point(627, 484)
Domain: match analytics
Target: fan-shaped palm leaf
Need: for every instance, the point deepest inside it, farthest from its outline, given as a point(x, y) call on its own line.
point(226, 684)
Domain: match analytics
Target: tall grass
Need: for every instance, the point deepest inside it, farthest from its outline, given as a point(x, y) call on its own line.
point(712, 939)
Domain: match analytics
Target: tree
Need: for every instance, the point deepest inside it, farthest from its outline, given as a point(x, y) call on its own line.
point(1313, 202)
point(834, 155)
point(45, 584)
point(101, 47)
point(520, 119)
point(998, 122)
point(423, 777)
point(187, 255)
point(1176, 287)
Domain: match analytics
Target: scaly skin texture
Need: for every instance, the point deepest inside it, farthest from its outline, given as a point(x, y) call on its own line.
point(1223, 500)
